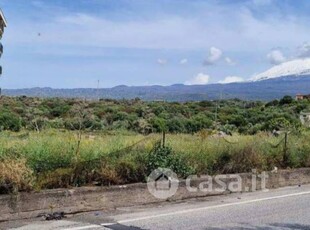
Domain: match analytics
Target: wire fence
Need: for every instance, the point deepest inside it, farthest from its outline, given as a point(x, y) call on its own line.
point(113, 168)
point(95, 162)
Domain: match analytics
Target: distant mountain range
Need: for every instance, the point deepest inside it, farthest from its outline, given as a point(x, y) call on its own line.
point(289, 78)
point(257, 90)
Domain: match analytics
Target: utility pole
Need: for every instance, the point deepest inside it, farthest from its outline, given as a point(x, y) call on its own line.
point(98, 83)
point(216, 111)
point(164, 139)
point(285, 149)
point(217, 107)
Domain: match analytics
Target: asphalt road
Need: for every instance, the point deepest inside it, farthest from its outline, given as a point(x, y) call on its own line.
point(285, 208)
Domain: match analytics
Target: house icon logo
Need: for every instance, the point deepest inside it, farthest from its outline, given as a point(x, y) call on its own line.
point(162, 183)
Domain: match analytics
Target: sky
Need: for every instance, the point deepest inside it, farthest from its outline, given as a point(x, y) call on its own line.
point(76, 44)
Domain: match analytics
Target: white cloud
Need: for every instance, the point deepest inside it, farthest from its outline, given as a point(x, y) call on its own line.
point(231, 79)
point(304, 50)
point(232, 29)
point(215, 54)
point(161, 61)
point(183, 61)
point(229, 61)
point(200, 79)
point(276, 57)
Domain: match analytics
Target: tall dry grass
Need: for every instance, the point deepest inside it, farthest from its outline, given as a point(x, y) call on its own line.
point(15, 175)
point(50, 159)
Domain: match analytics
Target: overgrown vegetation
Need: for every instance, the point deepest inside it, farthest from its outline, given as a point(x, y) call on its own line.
point(67, 143)
point(245, 117)
point(50, 159)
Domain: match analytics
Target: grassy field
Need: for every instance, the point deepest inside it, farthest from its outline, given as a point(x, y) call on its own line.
point(54, 158)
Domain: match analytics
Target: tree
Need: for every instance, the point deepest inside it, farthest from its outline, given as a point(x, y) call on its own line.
point(272, 103)
point(286, 100)
point(279, 123)
point(175, 125)
point(159, 124)
point(142, 126)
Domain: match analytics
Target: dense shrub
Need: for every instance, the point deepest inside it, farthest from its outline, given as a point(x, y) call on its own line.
point(9, 121)
point(163, 157)
point(247, 117)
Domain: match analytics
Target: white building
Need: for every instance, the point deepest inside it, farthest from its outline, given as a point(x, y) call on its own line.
point(305, 118)
point(3, 24)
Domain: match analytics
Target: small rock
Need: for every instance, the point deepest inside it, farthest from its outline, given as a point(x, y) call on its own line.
point(54, 216)
point(275, 170)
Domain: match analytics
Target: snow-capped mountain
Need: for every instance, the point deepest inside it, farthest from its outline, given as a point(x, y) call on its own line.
point(298, 67)
point(289, 78)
